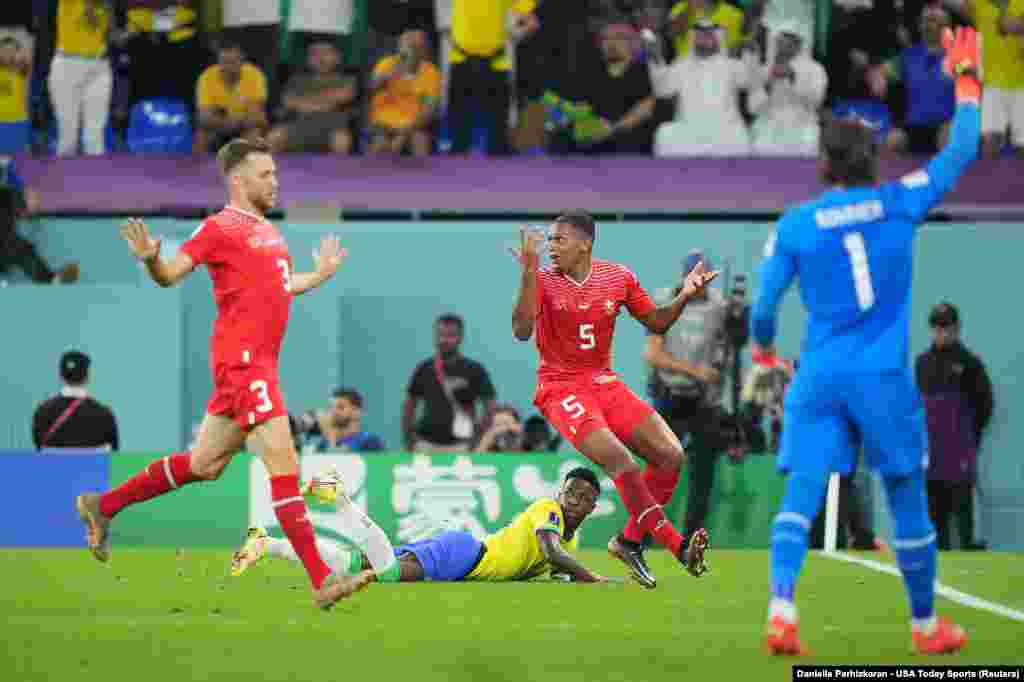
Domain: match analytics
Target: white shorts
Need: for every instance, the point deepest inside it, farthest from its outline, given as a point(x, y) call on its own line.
point(1002, 109)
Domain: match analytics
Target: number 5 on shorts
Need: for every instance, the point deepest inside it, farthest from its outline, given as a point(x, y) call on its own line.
point(573, 407)
point(260, 387)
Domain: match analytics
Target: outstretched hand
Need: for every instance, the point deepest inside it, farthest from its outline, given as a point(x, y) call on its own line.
point(329, 256)
point(963, 62)
point(963, 53)
point(143, 246)
point(697, 280)
point(528, 253)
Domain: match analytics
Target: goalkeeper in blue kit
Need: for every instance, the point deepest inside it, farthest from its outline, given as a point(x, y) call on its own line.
point(851, 250)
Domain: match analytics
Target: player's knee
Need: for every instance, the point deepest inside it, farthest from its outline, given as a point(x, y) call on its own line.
point(805, 493)
point(618, 466)
point(908, 505)
point(671, 455)
point(208, 470)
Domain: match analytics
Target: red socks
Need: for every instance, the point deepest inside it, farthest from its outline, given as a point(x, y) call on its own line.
point(161, 476)
point(291, 514)
point(645, 513)
point(662, 484)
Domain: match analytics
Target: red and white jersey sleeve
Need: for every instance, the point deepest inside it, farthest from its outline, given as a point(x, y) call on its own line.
point(203, 244)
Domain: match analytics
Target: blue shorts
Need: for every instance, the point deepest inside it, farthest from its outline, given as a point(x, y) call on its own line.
point(448, 556)
point(829, 416)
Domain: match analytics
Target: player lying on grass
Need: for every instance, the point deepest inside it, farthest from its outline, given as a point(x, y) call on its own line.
point(536, 541)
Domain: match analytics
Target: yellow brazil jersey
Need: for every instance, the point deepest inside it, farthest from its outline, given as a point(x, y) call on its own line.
point(13, 95)
point(177, 21)
point(479, 29)
point(399, 103)
point(1003, 58)
point(82, 27)
point(213, 93)
point(724, 15)
point(514, 553)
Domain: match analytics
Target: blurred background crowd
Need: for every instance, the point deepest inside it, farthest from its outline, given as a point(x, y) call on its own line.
point(695, 77)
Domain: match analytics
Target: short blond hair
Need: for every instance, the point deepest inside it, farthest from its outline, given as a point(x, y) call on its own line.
point(235, 153)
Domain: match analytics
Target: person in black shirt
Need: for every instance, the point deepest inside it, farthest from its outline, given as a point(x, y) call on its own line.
point(958, 403)
point(449, 385)
point(618, 89)
point(74, 419)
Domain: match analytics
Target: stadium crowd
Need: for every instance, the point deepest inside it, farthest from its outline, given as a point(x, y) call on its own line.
point(695, 77)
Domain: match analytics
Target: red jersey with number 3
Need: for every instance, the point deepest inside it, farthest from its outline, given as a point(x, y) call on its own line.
point(251, 270)
point(576, 320)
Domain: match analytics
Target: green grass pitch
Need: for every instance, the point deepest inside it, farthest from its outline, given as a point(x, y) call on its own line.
point(166, 615)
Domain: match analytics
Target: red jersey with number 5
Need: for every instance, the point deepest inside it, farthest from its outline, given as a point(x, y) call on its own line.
point(576, 320)
point(251, 271)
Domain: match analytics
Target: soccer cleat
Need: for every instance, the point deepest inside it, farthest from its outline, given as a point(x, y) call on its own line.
point(632, 554)
point(97, 526)
point(252, 551)
point(692, 556)
point(325, 488)
point(335, 588)
point(947, 639)
point(782, 638)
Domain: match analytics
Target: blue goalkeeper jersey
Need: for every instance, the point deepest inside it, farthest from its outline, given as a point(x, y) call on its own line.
point(852, 250)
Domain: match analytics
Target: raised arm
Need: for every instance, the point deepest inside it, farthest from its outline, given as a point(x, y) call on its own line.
point(525, 312)
point(147, 249)
point(563, 562)
point(327, 259)
point(658, 320)
point(918, 192)
point(777, 273)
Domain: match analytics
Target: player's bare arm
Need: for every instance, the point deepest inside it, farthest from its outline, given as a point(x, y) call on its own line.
point(660, 319)
point(147, 249)
point(563, 562)
point(327, 259)
point(525, 312)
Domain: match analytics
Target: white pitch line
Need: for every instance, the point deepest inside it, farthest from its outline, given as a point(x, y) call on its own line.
point(942, 590)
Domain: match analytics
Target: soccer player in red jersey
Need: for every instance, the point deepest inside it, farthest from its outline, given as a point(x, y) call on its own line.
point(253, 285)
point(573, 306)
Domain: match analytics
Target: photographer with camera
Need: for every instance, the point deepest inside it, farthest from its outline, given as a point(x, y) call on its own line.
point(338, 429)
point(688, 366)
point(501, 431)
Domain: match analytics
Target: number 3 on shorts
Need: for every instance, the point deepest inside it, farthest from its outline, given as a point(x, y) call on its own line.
point(260, 387)
point(573, 407)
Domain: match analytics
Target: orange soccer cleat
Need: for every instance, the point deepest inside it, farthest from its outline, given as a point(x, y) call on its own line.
point(782, 639)
point(947, 638)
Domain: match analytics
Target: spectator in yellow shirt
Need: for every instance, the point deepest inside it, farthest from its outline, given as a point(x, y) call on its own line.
point(479, 77)
point(686, 14)
point(1001, 24)
point(406, 89)
point(231, 100)
point(15, 70)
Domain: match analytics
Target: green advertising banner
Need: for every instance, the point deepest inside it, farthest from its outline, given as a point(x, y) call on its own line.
point(411, 496)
